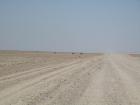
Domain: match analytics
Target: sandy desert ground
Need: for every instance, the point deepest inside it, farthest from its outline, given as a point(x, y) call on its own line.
point(40, 78)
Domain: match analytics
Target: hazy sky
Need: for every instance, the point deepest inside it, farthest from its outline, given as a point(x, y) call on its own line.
point(70, 25)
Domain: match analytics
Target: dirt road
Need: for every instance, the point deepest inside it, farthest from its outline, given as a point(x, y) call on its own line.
point(108, 79)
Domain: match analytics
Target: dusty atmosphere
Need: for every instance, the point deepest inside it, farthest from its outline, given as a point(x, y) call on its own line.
point(41, 78)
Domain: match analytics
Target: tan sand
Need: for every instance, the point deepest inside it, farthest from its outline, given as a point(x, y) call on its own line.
point(40, 78)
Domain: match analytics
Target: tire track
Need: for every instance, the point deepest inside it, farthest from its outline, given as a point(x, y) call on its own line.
point(130, 80)
point(35, 70)
point(19, 87)
point(66, 83)
point(111, 79)
point(35, 80)
point(33, 74)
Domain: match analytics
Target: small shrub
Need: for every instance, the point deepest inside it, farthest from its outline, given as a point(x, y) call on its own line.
point(81, 53)
point(73, 53)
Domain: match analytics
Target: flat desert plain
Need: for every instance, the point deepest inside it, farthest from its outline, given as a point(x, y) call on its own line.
point(40, 78)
